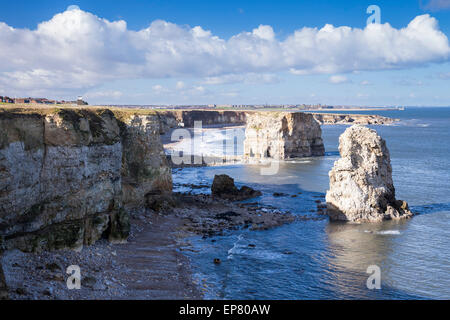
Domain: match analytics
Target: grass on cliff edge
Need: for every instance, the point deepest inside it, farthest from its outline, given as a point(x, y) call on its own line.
point(120, 113)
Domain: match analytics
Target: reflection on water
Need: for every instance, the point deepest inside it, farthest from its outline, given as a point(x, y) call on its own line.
point(356, 247)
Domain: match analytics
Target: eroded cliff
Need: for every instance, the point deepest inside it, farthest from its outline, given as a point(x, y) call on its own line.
point(361, 185)
point(173, 118)
point(187, 118)
point(282, 135)
point(70, 177)
point(334, 118)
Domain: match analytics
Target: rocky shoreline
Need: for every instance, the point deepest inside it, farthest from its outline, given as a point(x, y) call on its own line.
point(150, 265)
point(73, 179)
point(350, 119)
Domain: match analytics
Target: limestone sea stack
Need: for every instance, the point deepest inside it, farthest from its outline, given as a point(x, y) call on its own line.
point(361, 186)
point(282, 135)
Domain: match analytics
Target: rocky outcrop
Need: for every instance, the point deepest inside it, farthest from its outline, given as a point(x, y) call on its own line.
point(69, 177)
point(187, 118)
point(145, 169)
point(174, 118)
point(361, 186)
point(333, 118)
point(223, 187)
point(282, 135)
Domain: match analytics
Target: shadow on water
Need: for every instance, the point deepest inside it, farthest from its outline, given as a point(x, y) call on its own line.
point(430, 208)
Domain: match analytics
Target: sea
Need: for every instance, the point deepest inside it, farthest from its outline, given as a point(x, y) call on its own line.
point(319, 259)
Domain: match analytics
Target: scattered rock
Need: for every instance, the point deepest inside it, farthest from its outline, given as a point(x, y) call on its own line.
point(227, 215)
point(248, 193)
point(361, 186)
point(56, 277)
point(21, 291)
point(159, 202)
point(99, 286)
point(53, 267)
point(48, 291)
point(88, 282)
point(223, 187)
point(279, 194)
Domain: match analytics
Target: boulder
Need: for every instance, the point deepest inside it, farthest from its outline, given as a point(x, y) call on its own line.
point(361, 186)
point(223, 187)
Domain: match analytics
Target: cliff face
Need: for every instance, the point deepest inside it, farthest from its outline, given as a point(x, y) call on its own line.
point(282, 135)
point(63, 176)
point(145, 169)
point(172, 118)
point(361, 186)
point(331, 118)
point(188, 117)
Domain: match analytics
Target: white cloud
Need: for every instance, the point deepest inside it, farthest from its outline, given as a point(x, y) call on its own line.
point(248, 78)
point(180, 85)
point(436, 5)
point(109, 94)
point(338, 79)
point(444, 75)
point(158, 88)
point(73, 7)
point(77, 50)
point(199, 89)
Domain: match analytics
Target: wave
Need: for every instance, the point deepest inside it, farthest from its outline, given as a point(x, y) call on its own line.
point(234, 249)
point(386, 232)
point(413, 123)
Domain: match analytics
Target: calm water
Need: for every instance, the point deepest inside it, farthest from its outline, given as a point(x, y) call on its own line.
point(324, 260)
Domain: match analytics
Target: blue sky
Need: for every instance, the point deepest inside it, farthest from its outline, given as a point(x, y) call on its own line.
point(401, 74)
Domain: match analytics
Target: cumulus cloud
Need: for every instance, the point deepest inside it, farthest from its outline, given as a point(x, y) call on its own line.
point(444, 75)
point(338, 79)
point(409, 82)
point(435, 5)
point(78, 50)
point(180, 85)
point(110, 94)
point(248, 78)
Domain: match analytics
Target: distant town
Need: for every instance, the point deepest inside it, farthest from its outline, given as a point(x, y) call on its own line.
point(6, 99)
point(262, 106)
point(81, 102)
